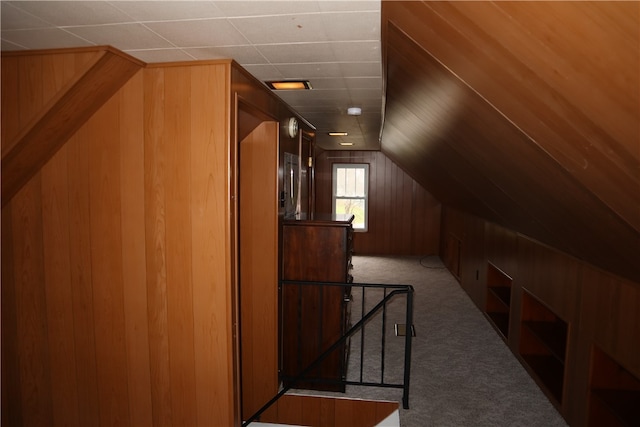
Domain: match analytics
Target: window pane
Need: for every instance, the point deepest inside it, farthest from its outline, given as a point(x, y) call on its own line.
point(351, 182)
point(360, 182)
point(352, 206)
point(350, 192)
point(340, 181)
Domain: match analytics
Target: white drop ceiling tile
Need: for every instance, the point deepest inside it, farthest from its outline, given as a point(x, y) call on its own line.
point(350, 126)
point(199, 33)
point(121, 36)
point(152, 56)
point(323, 104)
point(294, 97)
point(363, 82)
point(241, 54)
point(328, 83)
point(13, 18)
point(324, 111)
point(359, 51)
point(367, 105)
point(146, 11)
point(361, 69)
point(298, 53)
point(263, 8)
point(362, 94)
point(281, 28)
point(352, 26)
point(345, 6)
point(331, 94)
point(309, 71)
point(264, 72)
point(44, 38)
point(72, 13)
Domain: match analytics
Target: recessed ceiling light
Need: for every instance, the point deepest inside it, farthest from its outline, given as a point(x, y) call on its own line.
point(338, 134)
point(346, 143)
point(289, 85)
point(354, 111)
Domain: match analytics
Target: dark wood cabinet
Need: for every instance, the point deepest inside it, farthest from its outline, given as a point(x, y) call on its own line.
point(314, 317)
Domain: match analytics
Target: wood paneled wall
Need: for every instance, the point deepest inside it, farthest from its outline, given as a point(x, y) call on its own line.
point(116, 303)
point(28, 84)
point(404, 219)
point(600, 308)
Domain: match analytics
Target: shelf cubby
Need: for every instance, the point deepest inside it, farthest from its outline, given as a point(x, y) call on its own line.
point(543, 343)
point(614, 393)
point(498, 305)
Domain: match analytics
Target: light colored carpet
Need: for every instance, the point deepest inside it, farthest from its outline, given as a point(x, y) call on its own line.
point(462, 373)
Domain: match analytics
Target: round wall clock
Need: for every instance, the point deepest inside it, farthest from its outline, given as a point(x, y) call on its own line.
point(292, 127)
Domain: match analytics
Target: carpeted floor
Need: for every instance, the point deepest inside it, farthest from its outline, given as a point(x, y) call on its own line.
point(462, 373)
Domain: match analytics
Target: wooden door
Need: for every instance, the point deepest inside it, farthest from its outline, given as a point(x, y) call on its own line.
point(258, 262)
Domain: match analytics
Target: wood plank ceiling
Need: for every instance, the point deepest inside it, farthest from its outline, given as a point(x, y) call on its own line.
point(523, 113)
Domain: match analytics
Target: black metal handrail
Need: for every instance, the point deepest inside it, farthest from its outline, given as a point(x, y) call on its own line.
point(395, 290)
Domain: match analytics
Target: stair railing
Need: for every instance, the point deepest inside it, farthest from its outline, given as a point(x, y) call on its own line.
point(359, 326)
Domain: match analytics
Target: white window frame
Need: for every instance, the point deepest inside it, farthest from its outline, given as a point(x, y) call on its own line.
point(334, 197)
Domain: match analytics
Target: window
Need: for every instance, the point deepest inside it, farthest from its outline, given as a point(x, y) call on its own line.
point(350, 186)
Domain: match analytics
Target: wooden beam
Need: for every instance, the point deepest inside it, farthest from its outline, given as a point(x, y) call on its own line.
point(63, 116)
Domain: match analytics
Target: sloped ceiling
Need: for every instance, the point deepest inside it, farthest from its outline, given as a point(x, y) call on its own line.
point(524, 113)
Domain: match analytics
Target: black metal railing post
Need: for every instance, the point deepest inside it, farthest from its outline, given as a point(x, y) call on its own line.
point(407, 349)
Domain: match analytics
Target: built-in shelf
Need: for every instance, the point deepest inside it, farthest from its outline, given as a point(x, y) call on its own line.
point(614, 398)
point(553, 334)
point(498, 306)
point(543, 343)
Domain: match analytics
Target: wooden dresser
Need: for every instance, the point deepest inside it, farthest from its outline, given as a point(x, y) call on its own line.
point(314, 317)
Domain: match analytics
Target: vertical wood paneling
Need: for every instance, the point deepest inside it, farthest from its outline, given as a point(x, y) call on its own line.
point(405, 205)
point(106, 260)
point(502, 248)
point(133, 250)
point(258, 213)
point(289, 409)
point(404, 219)
point(611, 316)
point(311, 411)
point(551, 276)
point(30, 88)
point(34, 367)
point(178, 244)
point(11, 387)
point(55, 213)
point(59, 293)
point(327, 412)
point(10, 112)
point(213, 339)
point(116, 270)
point(154, 169)
point(389, 206)
point(81, 278)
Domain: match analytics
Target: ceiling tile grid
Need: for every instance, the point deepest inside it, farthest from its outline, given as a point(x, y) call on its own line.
point(334, 44)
